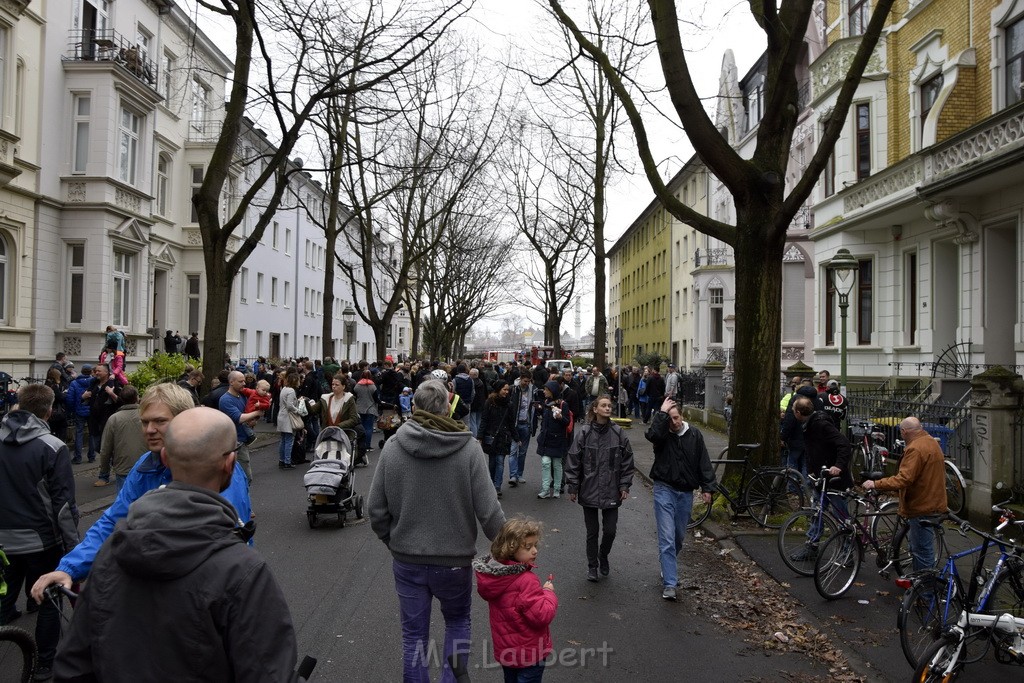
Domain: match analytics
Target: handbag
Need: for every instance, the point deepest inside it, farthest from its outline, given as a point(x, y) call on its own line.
point(296, 421)
point(300, 407)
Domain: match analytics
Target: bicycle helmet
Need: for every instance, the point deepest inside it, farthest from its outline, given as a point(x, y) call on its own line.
point(439, 374)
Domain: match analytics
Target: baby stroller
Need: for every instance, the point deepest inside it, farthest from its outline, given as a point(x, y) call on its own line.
point(330, 480)
point(389, 421)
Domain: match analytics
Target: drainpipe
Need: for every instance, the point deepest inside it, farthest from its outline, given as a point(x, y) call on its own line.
point(295, 306)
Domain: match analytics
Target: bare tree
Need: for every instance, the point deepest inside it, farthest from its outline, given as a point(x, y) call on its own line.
point(415, 163)
point(551, 203)
point(580, 93)
point(763, 209)
point(290, 96)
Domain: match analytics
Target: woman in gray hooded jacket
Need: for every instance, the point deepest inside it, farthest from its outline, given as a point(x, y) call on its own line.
point(599, 472)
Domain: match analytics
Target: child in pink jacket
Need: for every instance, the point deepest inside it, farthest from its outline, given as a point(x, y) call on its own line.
point(521, 609)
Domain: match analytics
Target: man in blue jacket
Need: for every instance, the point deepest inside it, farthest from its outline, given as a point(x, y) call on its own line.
point(78, 411)
point(159, 405)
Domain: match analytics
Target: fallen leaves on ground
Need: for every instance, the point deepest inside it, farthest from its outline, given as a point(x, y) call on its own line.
point(738, 595)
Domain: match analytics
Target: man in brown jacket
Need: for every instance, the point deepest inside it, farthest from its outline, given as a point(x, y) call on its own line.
point(921, 481)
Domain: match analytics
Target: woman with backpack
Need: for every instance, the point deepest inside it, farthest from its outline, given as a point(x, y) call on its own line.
point(553, 441)
point(599, 472)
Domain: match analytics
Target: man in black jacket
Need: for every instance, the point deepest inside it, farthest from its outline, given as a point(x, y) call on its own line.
point(681, 465)
point(38, 516)
point(181, 554)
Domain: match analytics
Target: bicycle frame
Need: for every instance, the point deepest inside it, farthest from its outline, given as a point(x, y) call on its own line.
point(1004, 624)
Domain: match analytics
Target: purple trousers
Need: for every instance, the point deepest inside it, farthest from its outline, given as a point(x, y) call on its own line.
point(417, 585)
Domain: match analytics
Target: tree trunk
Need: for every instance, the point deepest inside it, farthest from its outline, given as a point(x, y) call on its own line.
point(327, 340)
point(600, 316)
point(215, 324)
point(758, 330)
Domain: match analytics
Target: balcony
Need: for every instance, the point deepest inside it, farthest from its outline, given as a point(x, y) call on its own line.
point(204, 131)
point(711, 257)
point(829, 70)
point(91, 45)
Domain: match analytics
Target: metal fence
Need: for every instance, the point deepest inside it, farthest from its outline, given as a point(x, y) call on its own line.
point(1018, 455)
point(948, 422)
point(691, 389)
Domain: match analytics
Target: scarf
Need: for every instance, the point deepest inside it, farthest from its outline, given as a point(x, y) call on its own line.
point(439, 423)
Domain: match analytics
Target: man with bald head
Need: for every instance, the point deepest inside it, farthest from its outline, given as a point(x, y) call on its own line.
point(921, 481)
point(181, 554)
point(232, 404)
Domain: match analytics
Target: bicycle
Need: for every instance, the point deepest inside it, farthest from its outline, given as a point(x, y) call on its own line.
point(870, 452)
point(805, 530)
point(945, 658)
point(839, 559)
point(17, 637)
point(956, 485)
point(769, 493)
point(935, 598)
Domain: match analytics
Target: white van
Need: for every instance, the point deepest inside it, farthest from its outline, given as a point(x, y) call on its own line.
point(559, 366)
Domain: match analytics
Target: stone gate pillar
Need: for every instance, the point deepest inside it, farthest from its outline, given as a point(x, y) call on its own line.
point(995, 398)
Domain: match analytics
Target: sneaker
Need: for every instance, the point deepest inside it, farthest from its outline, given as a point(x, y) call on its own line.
point(251, 440)
point(669, 594)
point(520, 480)
point(512, 483)
point(288, 466)
point(556, 494)
point(280, 464)
point(43, 673)
point(101, 482)
point(605, 568)
point(76, 461)
point(592, 574)
point(807, 553)
point(544, 494)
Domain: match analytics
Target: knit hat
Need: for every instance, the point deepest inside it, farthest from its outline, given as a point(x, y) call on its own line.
point(554, 387)
point(498, 385)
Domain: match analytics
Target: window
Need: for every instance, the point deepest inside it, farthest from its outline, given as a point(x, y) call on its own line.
point(792, 301)
point(243, 285)
point(859, 16)
point(910, 300)
point(128, 136)
point(80, 130)
point(193, 303)
point(715, 300)
point(1014, 61)
point(122, 294)
point(76, 283)
point(200, 102)
point(830, 176)
point(863, 159)
point(228, 197)
point(196, 173)
point(166, 68)
point(4, 251)
point(259, 287)
point(143, 40)
point(865, 303)
point(163, 172)
point(830, 308)
point(275, 236)
point(287, 293)
point(273, 291)
point(19, 98)
point(287, 241)
point(242, 334)
point(930, 90)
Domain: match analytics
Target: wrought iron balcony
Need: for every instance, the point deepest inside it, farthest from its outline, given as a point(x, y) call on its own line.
point(205, 131)
point(91, 45)
point(711, 257)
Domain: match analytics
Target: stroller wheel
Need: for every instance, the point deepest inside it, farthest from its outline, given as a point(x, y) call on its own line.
point(341, 519)
point(359, 507)
point(311, 516)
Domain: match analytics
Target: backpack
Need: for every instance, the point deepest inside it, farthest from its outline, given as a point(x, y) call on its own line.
point(572, 420)
point(642, 389)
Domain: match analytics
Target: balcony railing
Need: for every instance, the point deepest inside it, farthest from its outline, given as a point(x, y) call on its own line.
point(91, 45)
point(711, 257)
point(204, 131)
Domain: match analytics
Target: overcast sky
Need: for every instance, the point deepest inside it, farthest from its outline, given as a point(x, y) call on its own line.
point(711, 29)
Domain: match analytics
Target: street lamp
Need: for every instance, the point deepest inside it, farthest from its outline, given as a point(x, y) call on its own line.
point(844, 273)
point(349, 317)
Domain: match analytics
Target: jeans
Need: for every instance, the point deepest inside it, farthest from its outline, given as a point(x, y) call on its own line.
point(94, 444)
point(646, 408)
point(80, 422)
point(609, 521)
point(796, 459)
point(473, 422)
point(369, 420)
point(417, 585)
point(497, 466)
point(517, 458)
point(528, 674)
point(922, 542)
point(546, 480)
point(24, 570)
point(838, 505)
point(634, 404)
point(284, 448)
point(671, 514)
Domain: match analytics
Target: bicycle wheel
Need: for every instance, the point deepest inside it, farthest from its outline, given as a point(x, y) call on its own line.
point(772, 495)
point(886, 526)
point(940, 662)
point(797, 550)
point(13, 638)
point(1007, 594)
point(837, 565)
point(902, 560)
point(955, 495)
point(924, 616)
point(859, 460)
point(700, 510)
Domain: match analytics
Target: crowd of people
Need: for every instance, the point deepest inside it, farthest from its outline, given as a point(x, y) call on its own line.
point(447, 430)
